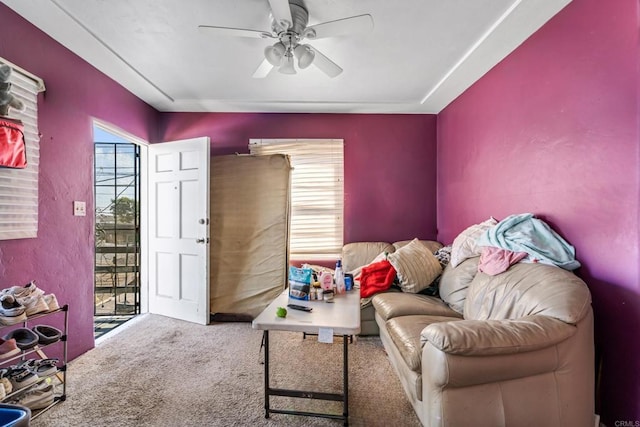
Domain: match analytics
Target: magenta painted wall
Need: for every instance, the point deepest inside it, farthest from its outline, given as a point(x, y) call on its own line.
point(553, 130)
point(61, 258)
point(390, 162)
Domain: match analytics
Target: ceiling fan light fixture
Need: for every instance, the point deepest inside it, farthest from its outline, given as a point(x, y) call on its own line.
point(286, 66)
point(305, 55)
point(275, 53)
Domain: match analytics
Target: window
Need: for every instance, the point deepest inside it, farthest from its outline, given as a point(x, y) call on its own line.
point(19, 187)
point(317, 194)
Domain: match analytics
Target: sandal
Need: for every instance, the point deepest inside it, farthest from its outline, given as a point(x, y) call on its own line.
point(47, 334)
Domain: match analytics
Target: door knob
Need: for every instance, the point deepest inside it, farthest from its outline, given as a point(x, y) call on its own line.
point(203, 240)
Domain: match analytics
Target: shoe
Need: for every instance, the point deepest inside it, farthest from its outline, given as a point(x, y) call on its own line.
point(11, 311)
point(41, 367)
point(34, 304)
point(8, 348)
point(21, 377)
point(47, 334)
point(25, 291)
point(25, 338)
point(52, 302)
point(37, 398)
point(4, 380)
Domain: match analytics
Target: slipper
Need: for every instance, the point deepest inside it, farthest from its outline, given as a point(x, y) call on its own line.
point(47, 334)
point(25, 338)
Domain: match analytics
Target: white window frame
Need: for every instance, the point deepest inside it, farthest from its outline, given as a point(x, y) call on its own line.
point(317, 194)
point(19, 187)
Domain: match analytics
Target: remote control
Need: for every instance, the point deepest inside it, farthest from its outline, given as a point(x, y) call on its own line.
point(299, 307)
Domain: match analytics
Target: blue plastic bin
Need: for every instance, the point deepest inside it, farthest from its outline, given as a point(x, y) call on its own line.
point(14, 415)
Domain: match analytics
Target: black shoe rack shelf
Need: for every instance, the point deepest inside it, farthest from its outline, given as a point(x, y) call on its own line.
point(59, 378)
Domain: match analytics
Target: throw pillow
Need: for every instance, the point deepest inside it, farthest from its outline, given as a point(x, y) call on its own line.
point(444, 255)
point(415, 266)
point(464, 246)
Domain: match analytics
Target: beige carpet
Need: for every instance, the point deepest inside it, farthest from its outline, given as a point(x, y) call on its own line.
point(165, 372)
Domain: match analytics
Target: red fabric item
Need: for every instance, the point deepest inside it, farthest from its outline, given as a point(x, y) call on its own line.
point(376, 277)
point(12, 145)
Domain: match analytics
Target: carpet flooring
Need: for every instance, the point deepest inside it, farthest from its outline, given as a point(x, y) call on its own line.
point(164, 372)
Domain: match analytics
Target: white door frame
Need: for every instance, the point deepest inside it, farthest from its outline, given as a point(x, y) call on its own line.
point(144, 210)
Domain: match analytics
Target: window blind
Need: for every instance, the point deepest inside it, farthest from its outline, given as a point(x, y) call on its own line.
point(317, 194)
point(19, 187)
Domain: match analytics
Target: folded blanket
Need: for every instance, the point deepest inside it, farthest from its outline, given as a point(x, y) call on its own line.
point(524, 233)
point(376, 277)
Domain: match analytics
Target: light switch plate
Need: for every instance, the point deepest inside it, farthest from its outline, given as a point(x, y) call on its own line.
point(79, 208)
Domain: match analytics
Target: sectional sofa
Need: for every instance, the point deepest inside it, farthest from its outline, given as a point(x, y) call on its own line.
point(513, 349)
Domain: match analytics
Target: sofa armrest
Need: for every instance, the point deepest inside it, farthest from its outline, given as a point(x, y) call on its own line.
point(491, 337)
point(446, 370)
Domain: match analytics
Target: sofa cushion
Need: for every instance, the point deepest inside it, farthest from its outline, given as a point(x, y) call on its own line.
point(394, 304)
point(416, 266)
point(405, 334)
point(454, 283)
point(525, 290)
point(356, 255)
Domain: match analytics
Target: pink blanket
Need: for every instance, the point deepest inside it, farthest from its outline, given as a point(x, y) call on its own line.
point(495, 260)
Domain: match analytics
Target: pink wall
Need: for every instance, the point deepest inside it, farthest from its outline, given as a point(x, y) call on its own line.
point(61, 258)
point(389, 162)
point(553, 130)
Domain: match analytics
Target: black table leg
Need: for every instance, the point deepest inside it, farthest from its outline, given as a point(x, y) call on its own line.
point(266, 373)
point(345, 376)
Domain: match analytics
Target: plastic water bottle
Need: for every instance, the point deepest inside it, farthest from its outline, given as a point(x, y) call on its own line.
point(338, 278)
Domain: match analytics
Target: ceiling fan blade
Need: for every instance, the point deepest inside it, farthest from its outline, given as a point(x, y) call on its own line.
point(325, 65)
point(234, 32)
point(352, 25)
point(282, 13)
point(264, 69)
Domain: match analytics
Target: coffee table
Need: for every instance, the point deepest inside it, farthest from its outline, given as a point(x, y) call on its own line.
point(342, 317)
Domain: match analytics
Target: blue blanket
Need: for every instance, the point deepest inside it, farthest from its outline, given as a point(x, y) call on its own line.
point(524, 233)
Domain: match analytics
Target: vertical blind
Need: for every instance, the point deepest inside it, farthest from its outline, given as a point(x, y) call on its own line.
point(19, 187)
point(317, 194)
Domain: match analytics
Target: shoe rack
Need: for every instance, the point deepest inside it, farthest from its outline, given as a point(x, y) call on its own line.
point(59, 378)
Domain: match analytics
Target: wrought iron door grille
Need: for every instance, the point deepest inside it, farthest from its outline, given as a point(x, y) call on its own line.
point(117, 219)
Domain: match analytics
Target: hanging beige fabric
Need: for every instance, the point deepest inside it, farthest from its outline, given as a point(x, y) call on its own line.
point(249, 233)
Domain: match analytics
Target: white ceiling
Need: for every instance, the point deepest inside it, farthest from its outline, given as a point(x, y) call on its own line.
point(419, 57)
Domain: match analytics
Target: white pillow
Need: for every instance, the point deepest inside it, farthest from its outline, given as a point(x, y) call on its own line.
point(415, 266)
point(357, 271)
point(464, 246)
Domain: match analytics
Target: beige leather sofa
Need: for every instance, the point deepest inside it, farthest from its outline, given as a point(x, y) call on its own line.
point(515, 349)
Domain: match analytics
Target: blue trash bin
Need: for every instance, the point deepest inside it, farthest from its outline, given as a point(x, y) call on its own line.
point(14, 415)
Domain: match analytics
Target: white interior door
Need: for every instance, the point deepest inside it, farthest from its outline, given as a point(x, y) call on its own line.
point(179, 229)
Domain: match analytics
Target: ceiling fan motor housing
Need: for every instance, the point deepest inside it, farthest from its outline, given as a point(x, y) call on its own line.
point(300, 17)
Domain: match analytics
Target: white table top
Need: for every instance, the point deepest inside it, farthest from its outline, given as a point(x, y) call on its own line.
point(343, 315)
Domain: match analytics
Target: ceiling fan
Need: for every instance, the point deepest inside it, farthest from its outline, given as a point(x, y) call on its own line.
point(289, 19)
